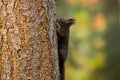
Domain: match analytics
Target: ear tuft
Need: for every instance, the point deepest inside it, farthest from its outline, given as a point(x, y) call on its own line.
point(71, 22)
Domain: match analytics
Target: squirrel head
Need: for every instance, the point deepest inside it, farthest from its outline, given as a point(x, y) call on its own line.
point(65, 23)
point(63, 26)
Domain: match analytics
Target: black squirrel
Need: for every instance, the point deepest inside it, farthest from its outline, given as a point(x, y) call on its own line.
point(63, 28)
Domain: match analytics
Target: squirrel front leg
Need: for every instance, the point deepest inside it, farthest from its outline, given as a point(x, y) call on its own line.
point(63, 27)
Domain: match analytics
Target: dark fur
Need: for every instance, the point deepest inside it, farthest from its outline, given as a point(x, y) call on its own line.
point(63, 27)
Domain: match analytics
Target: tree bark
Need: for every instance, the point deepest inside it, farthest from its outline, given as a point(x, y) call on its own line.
point(28, 46)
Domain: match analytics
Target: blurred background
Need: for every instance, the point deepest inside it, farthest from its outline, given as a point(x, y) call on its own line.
point(94, 46)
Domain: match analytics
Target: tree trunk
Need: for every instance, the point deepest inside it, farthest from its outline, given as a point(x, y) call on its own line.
point(28, 46)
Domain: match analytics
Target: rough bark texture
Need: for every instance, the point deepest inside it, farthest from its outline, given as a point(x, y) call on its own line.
point(28, 48)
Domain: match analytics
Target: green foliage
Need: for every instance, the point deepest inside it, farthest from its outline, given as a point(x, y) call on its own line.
point(94, 40)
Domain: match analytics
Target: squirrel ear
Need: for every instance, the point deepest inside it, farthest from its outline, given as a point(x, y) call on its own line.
point(71, 22)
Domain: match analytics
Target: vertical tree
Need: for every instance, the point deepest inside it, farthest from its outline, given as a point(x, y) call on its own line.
point(112, 69)
point(28, 48)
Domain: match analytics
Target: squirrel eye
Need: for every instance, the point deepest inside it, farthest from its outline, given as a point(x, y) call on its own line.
point(62, 21)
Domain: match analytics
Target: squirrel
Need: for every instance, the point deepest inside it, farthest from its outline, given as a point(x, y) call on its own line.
point(63, 29)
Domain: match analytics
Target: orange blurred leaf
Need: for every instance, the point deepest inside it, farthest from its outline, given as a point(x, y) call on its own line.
point(99, 22)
